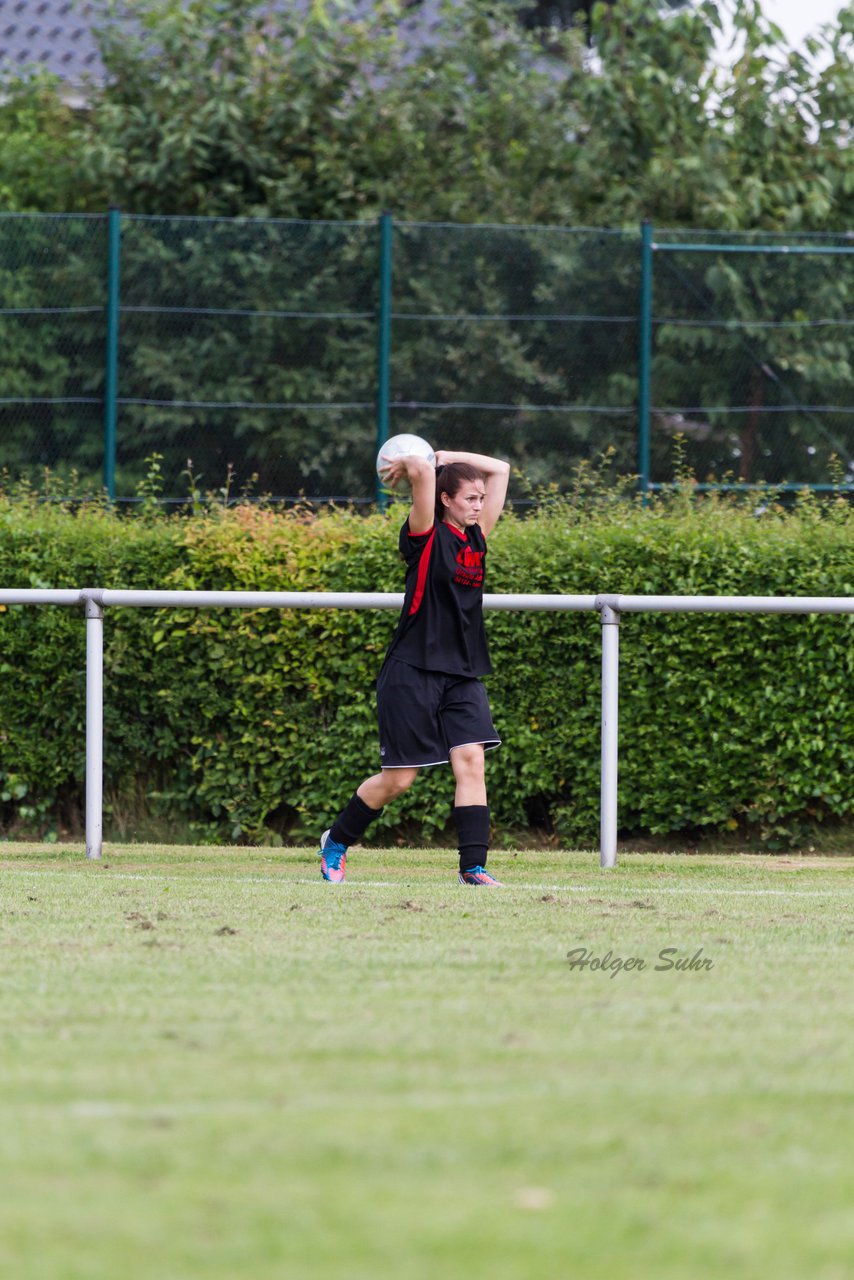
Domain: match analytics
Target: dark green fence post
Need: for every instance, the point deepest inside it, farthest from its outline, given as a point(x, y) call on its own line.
point(384, 342)
point(645, 359)
point(111, 369)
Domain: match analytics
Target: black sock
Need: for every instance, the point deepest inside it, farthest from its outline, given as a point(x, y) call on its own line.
point(353, 821)
point(472, 823)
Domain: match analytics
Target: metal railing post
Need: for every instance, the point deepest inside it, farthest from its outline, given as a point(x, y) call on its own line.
point(111, 355)
point(645, 360)
point(94, 726)
point(384, 342)
point(610, 618)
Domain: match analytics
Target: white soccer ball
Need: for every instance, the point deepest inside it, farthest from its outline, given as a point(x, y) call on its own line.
point(404, 446)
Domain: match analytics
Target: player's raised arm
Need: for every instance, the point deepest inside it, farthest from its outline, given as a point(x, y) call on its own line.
point(496, 479)
point(421, 477)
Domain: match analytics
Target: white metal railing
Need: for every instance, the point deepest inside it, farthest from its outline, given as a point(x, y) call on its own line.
point(610, 609)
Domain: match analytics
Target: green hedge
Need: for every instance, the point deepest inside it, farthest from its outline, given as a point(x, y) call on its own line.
point(257, 724)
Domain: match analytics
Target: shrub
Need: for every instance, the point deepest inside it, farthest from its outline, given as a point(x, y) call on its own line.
point(257, 724)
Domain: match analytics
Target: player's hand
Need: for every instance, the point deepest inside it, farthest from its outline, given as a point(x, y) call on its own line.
point(393, 471)
point(405, 468)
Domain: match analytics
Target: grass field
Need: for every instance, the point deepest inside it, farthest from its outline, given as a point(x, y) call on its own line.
point(215, 1065)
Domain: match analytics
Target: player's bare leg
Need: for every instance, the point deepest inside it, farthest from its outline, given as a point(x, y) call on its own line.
point(467, 763)
point(386, 786)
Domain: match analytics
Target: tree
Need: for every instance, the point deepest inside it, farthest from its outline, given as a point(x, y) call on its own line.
point(225, 109)
point(221, 107)
point(38, 147)
point(217, 108)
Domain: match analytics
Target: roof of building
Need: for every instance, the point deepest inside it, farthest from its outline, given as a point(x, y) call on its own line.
point(55, 35)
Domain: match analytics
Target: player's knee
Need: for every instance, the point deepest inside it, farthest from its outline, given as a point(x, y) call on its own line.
point(397, 781)
point(467, 761)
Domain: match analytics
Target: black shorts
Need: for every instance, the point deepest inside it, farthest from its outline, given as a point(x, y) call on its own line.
point(423, 715)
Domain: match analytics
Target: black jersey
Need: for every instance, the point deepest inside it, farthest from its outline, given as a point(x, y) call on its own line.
point(441, 623)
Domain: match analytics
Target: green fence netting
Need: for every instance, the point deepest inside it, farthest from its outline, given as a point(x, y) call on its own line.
point(266, 356)
point(751, 357)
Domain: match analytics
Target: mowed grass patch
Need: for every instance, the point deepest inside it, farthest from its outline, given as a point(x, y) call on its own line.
point(214, 1065)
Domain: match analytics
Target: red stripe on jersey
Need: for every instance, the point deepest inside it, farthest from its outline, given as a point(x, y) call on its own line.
point(421, 578)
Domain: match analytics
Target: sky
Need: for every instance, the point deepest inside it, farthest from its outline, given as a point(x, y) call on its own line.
point(801, 18)
point(797, 19)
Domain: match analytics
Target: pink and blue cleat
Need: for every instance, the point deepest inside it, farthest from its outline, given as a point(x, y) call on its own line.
point(333, 859)
point(477, 875)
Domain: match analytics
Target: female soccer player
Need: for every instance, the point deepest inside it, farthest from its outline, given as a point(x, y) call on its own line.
point(431, 704)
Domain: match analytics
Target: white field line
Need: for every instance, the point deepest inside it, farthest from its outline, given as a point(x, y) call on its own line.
point(90, 1109)
point(602, 888)
point(616, 888)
